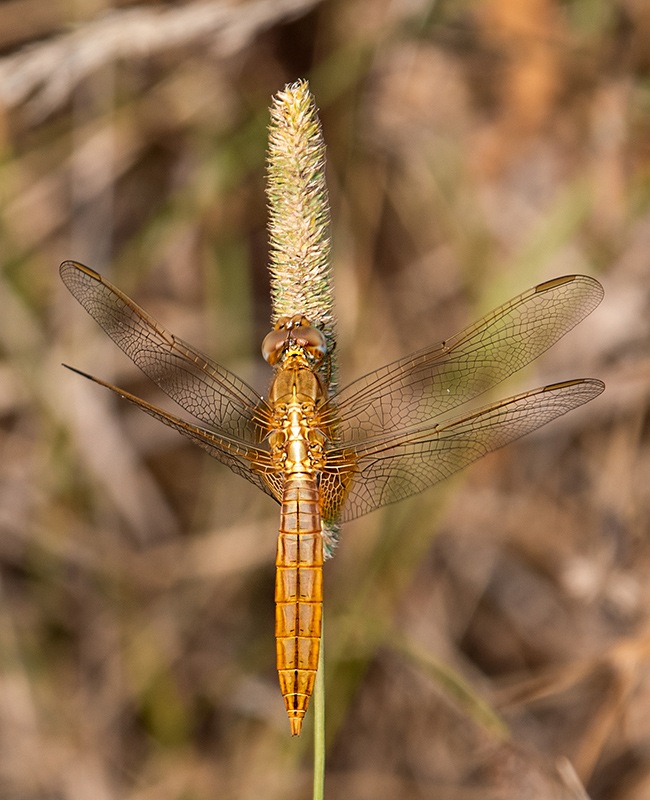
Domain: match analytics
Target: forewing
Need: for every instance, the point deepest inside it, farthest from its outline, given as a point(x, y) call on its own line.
point(430, 382)
point(389, 468)
point(207, 390)
point(250, 461)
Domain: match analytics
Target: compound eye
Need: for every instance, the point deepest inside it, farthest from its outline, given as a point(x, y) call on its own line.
point(311, 340)
point(273, 345)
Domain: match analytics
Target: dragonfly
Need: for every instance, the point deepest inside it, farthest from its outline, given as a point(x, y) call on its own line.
point(329, 459)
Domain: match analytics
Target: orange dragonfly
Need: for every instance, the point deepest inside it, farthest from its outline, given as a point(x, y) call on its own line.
point(326, 460)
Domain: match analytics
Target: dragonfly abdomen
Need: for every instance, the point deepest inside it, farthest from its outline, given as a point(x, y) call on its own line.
point(298, 594)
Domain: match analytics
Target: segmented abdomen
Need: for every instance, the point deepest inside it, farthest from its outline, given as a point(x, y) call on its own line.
point(298, 594)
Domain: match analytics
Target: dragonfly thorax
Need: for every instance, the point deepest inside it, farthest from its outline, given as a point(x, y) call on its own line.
point(382, 438)
point(295, 337)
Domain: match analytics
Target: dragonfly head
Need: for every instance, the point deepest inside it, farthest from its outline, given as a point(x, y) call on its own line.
point(294, 334)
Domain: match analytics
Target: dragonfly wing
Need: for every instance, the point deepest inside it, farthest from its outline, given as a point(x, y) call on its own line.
point(250, 461)
point(207, 390)
point(391, 467)
point(430, 382)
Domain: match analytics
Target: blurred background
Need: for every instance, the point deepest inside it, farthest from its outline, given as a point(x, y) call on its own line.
point(488, 638)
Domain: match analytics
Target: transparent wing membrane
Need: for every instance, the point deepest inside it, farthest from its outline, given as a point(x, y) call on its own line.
point(207, 390)
point(437, 379)
point(395, 466)
point(392, 435)
point(249, 461)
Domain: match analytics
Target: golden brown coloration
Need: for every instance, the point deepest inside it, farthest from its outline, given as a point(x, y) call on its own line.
point(297, 449)
point(298, 594)
point(384, 437)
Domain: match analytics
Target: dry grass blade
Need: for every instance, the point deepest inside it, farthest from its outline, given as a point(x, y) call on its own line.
point(474, 149)
point(48, 72)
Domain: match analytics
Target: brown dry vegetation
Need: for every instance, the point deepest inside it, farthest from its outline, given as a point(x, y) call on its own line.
point(487, 639)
